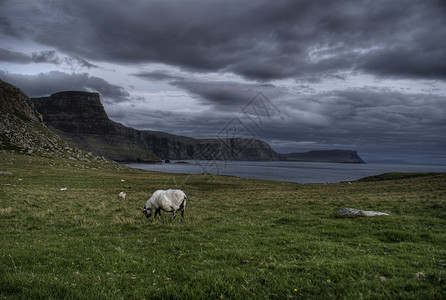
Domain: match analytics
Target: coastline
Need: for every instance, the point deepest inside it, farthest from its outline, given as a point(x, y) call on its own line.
point(285, 171)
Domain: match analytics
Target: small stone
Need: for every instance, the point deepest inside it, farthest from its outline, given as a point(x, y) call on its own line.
point(358, 212)
point(420, 275)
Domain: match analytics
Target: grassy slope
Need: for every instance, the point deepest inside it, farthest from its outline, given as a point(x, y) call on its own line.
point(240, 238)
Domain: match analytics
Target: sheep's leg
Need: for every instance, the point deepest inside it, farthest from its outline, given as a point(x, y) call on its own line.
point(174, 214)
point(182, 211)
point(158, 211)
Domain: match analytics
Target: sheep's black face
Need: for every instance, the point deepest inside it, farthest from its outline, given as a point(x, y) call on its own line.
point(146, 213)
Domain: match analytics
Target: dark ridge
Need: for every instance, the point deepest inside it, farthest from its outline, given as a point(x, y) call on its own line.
point(80, 118)
point(338, 156)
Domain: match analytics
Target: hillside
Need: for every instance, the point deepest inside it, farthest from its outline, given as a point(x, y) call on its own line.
point(22, 130)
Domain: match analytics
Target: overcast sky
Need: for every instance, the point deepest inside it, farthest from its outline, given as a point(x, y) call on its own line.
point(302, 75)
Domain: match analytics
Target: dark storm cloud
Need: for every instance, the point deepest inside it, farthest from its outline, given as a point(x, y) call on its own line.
point(226, 93)
point(45, 84)
point(157, 76)
point(260, 40)
point(6, 27)
point(403, 62)
point(49, 56)
point(46, 56)
point(230, 94)
point(14, 57)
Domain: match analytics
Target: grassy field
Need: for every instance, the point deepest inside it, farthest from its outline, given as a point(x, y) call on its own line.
point(240, 238)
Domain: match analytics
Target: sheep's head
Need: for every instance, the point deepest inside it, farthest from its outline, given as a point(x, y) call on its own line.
point(147, 212)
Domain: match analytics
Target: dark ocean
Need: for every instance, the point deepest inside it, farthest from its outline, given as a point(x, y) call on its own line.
point(301, 172)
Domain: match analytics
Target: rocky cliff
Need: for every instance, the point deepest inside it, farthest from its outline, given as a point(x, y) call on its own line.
point(22, 129)
point(80, 118)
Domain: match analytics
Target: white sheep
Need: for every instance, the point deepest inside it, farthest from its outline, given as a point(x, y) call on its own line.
point(167, 200)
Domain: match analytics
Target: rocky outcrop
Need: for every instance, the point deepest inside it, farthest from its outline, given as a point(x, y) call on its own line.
point(14, 101)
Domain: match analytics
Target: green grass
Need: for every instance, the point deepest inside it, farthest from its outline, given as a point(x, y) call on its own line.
point(240, 238)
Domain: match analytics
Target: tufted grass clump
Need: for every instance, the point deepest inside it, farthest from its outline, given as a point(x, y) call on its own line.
point(240, 238)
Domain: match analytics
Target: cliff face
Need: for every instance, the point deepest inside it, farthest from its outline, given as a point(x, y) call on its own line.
point(75, 112)
point(22, 129)
point(80, 118)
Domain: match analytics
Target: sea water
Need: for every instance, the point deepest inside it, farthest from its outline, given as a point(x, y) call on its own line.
point(301, 172)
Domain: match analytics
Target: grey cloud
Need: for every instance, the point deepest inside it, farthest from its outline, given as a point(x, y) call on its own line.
point(157, 76)
point(14, 57)
point(403, 62)
point(49, 56)
point(226, 94)
point(7, 28)
point(74, 61)
point(52, 57)
point(45, 84)
point(46, 56)
point(260, 40)
point(198, 124)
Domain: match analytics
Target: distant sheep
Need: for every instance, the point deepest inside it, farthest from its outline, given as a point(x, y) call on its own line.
point(122, 195)
point(167, 200)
